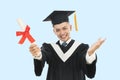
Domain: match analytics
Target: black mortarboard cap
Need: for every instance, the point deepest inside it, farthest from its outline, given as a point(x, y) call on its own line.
point(59, 16)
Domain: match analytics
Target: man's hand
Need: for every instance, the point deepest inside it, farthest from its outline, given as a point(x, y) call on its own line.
point(95, 46)
point(35, 50)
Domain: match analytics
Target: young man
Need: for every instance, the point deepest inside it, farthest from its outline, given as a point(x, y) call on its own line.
point(67, 58)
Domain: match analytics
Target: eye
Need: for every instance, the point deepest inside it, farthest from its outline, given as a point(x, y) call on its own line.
point(57, 30)
point(64, 28)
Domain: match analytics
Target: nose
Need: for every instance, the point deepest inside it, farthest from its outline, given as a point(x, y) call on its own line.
point(62, 32)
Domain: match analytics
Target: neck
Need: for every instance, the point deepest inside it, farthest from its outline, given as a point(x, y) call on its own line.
point(67, 41)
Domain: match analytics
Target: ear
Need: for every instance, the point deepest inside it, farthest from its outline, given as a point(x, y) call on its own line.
point(54, 31)
point(70, 27)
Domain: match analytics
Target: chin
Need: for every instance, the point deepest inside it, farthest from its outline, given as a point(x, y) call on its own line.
point(64, 39)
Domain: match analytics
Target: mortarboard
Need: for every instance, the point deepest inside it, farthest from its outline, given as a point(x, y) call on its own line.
point(59, 16)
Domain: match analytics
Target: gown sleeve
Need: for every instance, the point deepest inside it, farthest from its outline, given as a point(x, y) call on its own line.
point(39, 64)
point(88, 69)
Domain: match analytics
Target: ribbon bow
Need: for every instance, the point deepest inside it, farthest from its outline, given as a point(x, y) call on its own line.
point(25, 35)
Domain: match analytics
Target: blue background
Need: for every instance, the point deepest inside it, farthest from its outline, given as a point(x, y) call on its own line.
point(96, 18)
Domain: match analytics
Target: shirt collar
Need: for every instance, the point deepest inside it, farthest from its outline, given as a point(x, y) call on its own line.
point(66, 41)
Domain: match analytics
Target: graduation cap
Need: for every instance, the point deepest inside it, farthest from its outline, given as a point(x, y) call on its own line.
point(57, 17)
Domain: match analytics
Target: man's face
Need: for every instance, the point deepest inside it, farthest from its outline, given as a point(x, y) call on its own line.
point(62, 30)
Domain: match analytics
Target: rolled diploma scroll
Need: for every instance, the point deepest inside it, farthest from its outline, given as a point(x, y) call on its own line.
point(23, 26)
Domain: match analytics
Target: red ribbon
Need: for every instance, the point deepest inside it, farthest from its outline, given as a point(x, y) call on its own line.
point(25, 35)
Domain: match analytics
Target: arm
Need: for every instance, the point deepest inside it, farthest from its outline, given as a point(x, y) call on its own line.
point(90, 68)
point(38, 66)
point(38, 59)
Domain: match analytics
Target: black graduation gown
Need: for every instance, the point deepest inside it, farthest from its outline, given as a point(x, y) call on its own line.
point(74, 68)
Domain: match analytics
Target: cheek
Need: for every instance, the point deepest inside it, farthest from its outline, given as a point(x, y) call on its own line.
point(57, 33)
point(68, 31)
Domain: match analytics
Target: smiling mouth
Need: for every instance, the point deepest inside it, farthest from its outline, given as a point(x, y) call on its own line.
point(63, 36)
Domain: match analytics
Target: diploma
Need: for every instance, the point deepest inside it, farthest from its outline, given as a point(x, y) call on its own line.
point(21, 24)
point(25, 33)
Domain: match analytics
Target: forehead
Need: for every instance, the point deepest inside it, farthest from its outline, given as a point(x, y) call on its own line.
point(61, 25)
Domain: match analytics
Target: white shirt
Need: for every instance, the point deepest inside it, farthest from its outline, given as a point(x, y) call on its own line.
point(66, 41)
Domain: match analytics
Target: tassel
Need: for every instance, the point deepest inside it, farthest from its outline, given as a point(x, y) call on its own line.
point(75, 22)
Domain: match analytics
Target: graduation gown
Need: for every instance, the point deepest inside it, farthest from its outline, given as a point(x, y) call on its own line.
point(72, 68)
